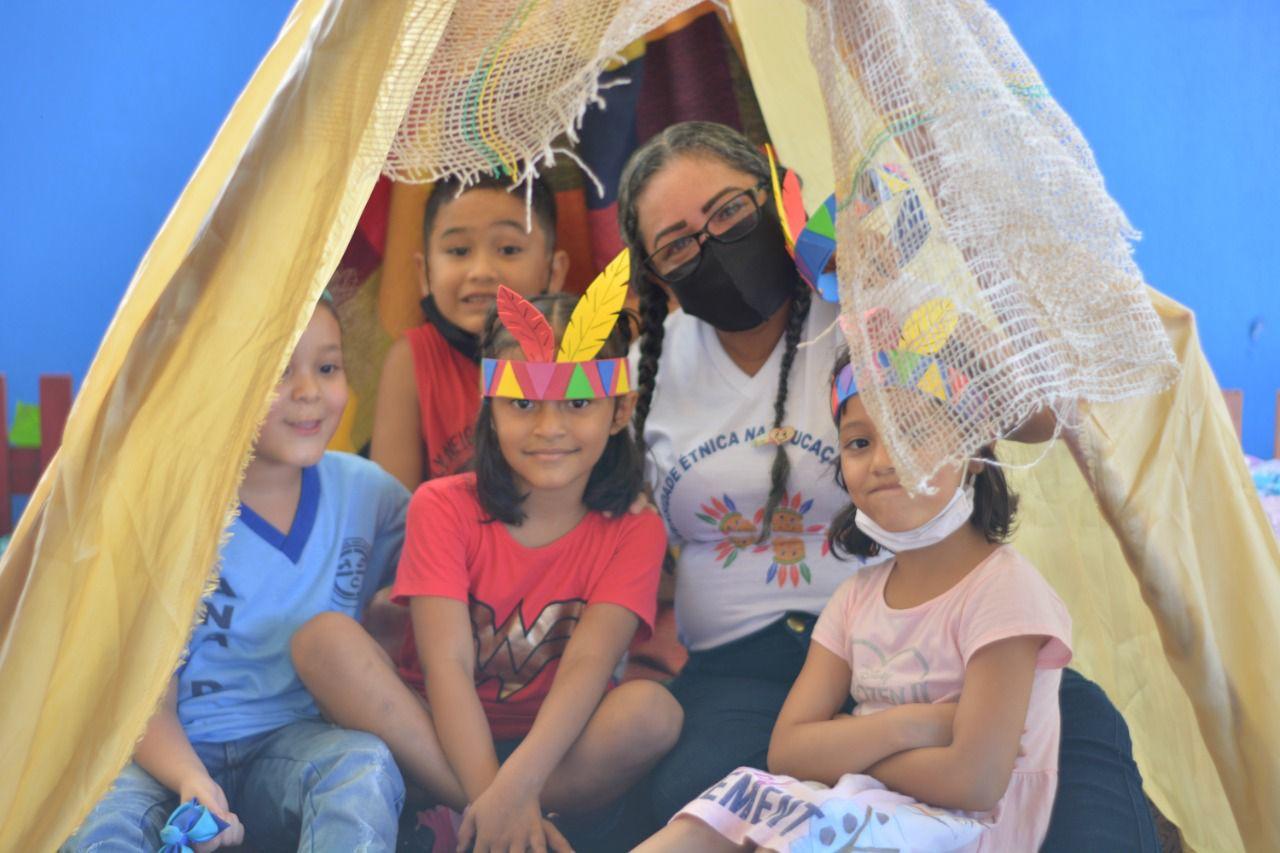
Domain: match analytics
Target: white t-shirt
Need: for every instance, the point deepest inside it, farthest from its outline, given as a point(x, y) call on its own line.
point(711, 482)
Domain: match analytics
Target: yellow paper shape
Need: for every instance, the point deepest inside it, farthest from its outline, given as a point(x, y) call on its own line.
point(508, 385)
point(597, 311)
point(931, 382)
point(928, 327)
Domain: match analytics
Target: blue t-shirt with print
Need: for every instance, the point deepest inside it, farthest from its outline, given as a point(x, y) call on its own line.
point(343, 546)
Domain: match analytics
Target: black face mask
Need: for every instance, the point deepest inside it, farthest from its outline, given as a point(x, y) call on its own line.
point(457, 337)
point(737, 286)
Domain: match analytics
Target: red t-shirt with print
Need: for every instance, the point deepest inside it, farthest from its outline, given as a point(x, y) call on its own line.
point(524, 602)
point(448, 400)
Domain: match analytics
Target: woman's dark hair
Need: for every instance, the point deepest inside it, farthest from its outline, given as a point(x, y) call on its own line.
point(617, 476)
point(542, 201)
point(994, 505)
point(719, 142)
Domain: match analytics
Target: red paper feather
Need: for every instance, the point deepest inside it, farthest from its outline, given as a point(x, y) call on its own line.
point(793, 204)
point(527, 325)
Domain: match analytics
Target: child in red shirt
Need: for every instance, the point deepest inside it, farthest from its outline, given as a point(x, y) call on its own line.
point(523, 602)
point(526, 581)
point(474, 239)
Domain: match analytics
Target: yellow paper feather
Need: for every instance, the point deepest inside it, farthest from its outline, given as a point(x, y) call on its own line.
point(597, 311)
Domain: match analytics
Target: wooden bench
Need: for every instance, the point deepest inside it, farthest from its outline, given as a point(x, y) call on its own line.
point(21, 467)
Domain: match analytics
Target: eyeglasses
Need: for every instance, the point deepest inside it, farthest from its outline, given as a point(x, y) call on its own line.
point(734, 219)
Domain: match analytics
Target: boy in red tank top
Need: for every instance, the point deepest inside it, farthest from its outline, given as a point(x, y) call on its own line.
point(474, 239)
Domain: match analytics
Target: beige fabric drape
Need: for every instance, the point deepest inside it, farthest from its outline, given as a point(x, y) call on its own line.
point(1172, 574)
point(102, 576)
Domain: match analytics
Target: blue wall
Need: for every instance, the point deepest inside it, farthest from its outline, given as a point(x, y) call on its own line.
point(1179, 100)
point(108, 107)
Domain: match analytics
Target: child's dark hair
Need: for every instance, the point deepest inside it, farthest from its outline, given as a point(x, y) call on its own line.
point(542, 201)
point(994, 504)
point(615, 480)
point(718, 142)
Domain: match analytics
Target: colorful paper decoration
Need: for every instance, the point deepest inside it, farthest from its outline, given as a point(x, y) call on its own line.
point(787, 200)
point(913, 362)
point(575, 373)
point(811, 240)
point(815, 246)
point(593, 319)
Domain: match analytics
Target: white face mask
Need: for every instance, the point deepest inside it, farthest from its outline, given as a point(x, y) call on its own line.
point(949, 519)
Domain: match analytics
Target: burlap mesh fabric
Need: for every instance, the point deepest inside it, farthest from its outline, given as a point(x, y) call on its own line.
point(509, 77)
point(958, 176)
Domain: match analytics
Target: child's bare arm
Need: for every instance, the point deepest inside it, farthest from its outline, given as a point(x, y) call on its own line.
point(442, 631)
point(808, 744)
point(973, 772)
point(596, 646)
point(1037, 428)
point(509, 814)
point(397, 424)
point(165, 752)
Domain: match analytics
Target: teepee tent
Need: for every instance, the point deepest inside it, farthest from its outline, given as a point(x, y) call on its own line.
point(100, 584)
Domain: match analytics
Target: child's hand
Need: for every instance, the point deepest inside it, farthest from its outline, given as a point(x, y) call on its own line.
point(495, 823)
point(207, 793)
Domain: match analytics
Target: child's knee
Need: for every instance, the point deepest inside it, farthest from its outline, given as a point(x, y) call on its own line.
point(367, 765)
point(129, 816)
point(658, 716)
point(320, 637)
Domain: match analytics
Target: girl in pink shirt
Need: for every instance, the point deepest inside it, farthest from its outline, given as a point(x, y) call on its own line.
point(952, 652)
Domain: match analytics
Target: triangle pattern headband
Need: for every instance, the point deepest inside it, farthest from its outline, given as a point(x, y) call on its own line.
point(913, 361)
point(573, 372)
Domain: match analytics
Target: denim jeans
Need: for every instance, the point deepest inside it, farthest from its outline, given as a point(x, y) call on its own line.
point(1100, 804)
point(309, 786)
point(731, 696)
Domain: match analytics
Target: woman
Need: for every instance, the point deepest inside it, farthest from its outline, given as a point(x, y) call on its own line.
point(736, 423)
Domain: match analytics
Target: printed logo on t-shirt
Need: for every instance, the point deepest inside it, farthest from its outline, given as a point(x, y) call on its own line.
point(801, 440)
point(800, 817)
point(896, 679)
point(787, 542)
point(219, 611)
point(514, 654)
point(455, 452)
point(349, 579)
point(739, 532)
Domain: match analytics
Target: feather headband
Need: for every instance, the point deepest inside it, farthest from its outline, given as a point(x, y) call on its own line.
point(810, 239)
point(573, 372)
point(913, 361)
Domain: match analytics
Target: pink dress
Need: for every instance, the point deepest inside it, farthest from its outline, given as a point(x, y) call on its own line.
point(896, 657)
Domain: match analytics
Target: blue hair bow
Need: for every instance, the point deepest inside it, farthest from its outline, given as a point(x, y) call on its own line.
point(190, 823)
